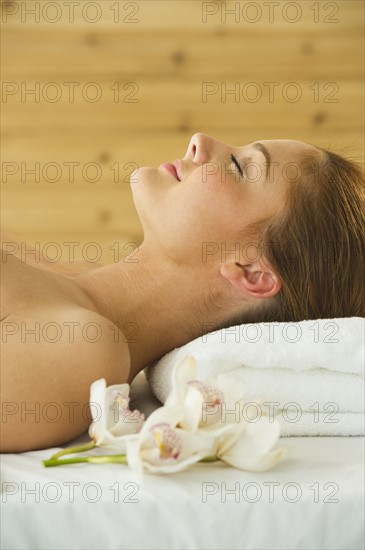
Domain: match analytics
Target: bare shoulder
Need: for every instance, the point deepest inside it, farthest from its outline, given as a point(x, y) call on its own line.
point(75, 335)
point(53, 356)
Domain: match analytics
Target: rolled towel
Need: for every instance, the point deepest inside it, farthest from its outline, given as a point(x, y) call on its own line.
point(310, 374)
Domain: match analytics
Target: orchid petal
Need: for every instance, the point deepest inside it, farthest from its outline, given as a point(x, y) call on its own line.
point(112, 421)
point(97, 405)
point(192, 409)
point(232, 387)
point(250, 450)
point(143, 455)
point(183, 371)
point(171, 415)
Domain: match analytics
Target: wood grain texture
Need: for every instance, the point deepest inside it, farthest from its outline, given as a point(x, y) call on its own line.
point(163, 69)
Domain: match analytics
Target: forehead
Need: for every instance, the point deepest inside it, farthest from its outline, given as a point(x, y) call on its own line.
point(286, 144)
point(283, 149)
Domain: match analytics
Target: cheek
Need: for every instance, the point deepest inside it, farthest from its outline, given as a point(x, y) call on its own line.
point(215, 205)
point(212, 189)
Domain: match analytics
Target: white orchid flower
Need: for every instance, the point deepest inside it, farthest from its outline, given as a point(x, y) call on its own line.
point(162, 448)
point(250, 447)
point(192, 426)
point(215, 407)
point(113, 422)
point(205, 405)
point(112, 418)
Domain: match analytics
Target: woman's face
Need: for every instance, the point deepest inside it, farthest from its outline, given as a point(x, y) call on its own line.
point(213, 202)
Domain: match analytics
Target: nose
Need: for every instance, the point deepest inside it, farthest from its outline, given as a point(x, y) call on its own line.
point(200, 148)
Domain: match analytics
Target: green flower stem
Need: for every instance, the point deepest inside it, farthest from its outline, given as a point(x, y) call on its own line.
point(119, 459)
point(77, 449)
point(103, 459)
point(55, 462)
point(209, 459)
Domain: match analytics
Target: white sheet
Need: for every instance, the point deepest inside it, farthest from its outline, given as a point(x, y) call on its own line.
point(325, 474)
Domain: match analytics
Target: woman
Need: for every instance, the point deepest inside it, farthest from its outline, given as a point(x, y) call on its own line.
point(272, 231)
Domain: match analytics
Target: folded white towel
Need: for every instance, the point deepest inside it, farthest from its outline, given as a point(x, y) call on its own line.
point(339, 424)
point(298, 370)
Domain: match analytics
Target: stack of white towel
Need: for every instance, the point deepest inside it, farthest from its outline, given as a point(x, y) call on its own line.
point(310, 375)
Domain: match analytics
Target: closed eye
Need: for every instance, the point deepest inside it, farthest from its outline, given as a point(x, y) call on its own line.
point(234, 160)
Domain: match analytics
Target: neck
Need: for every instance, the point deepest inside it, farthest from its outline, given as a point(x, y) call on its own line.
point(157, 305)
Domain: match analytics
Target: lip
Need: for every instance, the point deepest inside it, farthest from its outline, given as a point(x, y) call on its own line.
point(177, 165)
point(170, 168)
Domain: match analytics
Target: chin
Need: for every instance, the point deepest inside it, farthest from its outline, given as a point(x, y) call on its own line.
point(142, 181)
point(141, 175)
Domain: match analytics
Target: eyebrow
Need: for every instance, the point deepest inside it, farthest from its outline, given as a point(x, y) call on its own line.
point(260, 147)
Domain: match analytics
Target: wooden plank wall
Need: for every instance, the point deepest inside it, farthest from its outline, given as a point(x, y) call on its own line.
point(119, 84)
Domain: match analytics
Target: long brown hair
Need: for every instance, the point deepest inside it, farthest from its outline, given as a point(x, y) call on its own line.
point(316, 246)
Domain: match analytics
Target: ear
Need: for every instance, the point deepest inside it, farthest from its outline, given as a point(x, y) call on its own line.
point(256, 279)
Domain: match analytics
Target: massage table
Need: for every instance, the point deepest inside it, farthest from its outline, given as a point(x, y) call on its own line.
point(313, 499)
